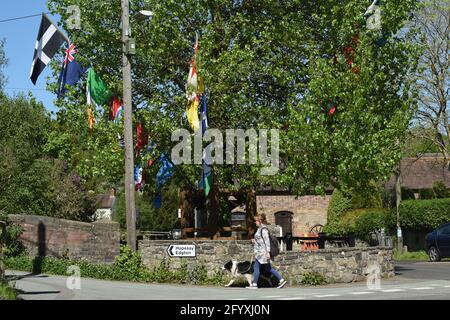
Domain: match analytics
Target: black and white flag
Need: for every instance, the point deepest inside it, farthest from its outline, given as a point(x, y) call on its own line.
point(49, 40)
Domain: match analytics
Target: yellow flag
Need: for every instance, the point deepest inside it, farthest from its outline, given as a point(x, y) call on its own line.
point(91, 119)
point(192, 114)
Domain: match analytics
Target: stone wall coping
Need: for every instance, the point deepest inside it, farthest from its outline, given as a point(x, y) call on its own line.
point(19, 218)
point(220, 242)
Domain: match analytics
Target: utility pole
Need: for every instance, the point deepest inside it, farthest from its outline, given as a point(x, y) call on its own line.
point(128, 128)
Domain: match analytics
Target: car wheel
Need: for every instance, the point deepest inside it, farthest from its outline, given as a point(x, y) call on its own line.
point(433, 253)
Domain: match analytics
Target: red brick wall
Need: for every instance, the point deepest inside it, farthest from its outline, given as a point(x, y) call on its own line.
point(307, 210)
point(96, 242)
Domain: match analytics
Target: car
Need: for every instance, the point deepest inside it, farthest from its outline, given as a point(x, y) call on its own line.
point(438, 243)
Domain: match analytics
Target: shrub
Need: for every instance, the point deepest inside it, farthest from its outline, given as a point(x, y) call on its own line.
point(407, 194)
point(10, 240)
point(362, 222)
point(313, 278)
point(339, 204)
point(440, 190)
point(130, 265)
point(424, 215)
point(426, 194)
point(7, 292)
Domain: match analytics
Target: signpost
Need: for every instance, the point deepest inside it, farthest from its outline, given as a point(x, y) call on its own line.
point(178, 250)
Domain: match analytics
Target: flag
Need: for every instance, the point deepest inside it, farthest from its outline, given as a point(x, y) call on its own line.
point(194, 88)
point(192, 114)
point(97, 88)
point(141, 137)
point(71, 71)
point(204, 115)
point(331, 108)
point(138, 177)
point(206, 168)
point(165, 171)
point(49, 40)
point(116, 110)
point(373, 16)
point(157, 201)
point(91, 118)
point(192, 82)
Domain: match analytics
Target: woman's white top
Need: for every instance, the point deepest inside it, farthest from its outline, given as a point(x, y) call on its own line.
point(262, 244)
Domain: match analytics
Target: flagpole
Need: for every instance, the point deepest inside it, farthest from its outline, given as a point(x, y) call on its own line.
point(128, 130)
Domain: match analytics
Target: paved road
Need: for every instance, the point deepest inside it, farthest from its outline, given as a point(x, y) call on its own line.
point(414, 280)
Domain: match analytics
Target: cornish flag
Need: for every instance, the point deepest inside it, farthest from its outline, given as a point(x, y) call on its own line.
point(49, 40)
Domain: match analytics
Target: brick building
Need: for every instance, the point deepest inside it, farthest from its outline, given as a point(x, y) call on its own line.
point(295, 214)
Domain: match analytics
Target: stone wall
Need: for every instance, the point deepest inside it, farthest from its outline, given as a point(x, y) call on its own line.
point(97, 242)
point(307, 210)
point(338, 265)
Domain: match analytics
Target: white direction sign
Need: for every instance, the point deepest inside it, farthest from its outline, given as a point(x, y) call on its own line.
point(178, 250)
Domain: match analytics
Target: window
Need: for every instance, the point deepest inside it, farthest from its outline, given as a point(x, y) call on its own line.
point(445, 230)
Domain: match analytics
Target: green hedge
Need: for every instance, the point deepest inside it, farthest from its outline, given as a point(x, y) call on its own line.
point(424, 215)
point(127, 267)
point(362, 222)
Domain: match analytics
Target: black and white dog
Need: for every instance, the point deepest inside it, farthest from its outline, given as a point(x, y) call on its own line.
point(245, 269)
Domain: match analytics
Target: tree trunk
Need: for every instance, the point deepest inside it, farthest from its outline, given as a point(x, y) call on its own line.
point(398, 199)
point(213, 212)
point(186, 209)
point(250, 213)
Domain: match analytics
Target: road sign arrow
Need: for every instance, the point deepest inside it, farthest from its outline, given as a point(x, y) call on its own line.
point(169, 250)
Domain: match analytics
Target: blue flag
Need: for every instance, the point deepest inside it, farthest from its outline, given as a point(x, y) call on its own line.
point(206, 168)
point(157, 201)
point(165, 171)
point(71, 71)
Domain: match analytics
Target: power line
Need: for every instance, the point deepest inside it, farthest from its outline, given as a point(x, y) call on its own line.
point(24, 17)
point(32, 89)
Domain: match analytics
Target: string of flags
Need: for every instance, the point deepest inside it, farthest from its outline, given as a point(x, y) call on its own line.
point(195, 92)
point(49, 40)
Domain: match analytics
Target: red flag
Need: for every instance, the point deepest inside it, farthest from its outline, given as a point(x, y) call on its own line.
point(141, 137)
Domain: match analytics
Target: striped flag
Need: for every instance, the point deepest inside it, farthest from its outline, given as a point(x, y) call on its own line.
point(206, 168)
point(49, 40)
point(194, 89)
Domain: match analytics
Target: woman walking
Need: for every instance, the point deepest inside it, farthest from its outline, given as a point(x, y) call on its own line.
point(261, 249)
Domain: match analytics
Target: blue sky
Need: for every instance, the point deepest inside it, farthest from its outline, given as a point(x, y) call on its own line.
point(20, 38)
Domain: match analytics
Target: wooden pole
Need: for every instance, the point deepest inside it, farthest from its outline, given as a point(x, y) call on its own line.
point(128, 130)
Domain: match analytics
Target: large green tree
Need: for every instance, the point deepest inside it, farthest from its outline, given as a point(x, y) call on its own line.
point(266, 64)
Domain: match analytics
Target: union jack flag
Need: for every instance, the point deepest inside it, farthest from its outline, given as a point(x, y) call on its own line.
point(71, 71)
point(70, 52)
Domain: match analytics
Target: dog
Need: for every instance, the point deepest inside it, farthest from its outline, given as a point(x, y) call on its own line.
point(245, 269)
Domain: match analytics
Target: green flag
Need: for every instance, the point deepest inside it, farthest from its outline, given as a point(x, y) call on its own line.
point(97, 88)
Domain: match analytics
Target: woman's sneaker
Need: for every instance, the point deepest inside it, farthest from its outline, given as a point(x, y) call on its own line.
point(282, 283)
point(252, 286)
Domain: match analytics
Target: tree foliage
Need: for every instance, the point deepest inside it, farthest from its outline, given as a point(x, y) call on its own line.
point(433, 77)
point(31, 182)
point(266, 64)
point(3, 63)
